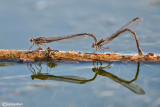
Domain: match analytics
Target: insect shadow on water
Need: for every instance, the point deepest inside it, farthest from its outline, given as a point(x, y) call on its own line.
point(98, 69)
point(48, 76)
point(126, 83)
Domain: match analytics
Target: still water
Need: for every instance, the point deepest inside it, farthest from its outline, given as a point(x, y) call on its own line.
point(80, 84)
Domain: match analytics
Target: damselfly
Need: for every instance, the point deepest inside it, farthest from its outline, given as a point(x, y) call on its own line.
point(70, 38)
point(128, 28)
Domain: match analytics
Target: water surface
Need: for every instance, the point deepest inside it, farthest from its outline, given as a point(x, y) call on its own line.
point(81, 84)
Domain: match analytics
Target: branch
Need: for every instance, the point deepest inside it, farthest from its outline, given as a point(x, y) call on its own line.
point(52, 55)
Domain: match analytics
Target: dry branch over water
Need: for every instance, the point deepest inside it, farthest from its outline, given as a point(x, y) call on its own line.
point(52, 55)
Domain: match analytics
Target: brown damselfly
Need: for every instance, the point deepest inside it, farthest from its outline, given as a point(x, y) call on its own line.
point(70, 38)
point(128, 28)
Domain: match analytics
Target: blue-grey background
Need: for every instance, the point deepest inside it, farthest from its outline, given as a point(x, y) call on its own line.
point(22, 20)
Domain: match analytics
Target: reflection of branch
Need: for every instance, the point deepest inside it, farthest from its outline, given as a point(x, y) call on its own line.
point(47, 76)
point(128, 84)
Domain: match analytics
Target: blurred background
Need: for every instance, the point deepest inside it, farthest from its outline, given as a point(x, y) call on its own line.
point(22, 20)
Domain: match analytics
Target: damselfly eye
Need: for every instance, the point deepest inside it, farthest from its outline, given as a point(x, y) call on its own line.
point(31, 40)
point(93, 45)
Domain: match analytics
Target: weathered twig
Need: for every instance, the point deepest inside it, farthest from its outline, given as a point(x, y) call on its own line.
point(51, 55)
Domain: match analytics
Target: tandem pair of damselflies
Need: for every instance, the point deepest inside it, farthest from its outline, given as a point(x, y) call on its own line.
point(128, 28)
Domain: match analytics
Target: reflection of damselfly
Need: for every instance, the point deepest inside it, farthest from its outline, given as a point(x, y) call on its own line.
point(128, 28)
point(70, 38)
point(33, 67)
point(100, 70)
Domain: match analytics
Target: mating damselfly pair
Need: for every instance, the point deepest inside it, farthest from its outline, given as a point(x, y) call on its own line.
point(128, 28)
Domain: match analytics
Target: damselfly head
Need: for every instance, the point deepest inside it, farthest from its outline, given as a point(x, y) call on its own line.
point(31, 40)
point(93, 45)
